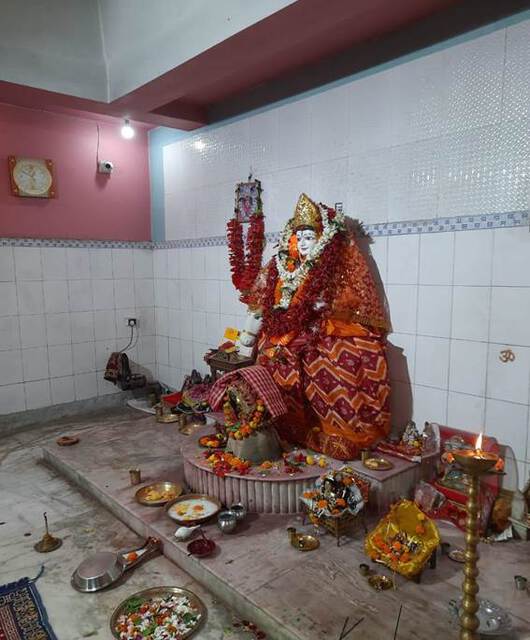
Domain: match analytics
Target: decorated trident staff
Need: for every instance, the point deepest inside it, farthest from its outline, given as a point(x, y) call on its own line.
point(245, 254)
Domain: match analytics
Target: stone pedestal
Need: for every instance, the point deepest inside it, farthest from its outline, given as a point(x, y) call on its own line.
point(260, 492)
point(387, 486)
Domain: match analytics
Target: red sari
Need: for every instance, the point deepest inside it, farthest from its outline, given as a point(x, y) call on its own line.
point(334, 374)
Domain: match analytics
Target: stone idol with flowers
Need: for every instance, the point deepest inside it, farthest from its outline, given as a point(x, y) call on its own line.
point(251, 402)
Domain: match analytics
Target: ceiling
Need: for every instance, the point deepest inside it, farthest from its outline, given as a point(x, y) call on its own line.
point(185, 64)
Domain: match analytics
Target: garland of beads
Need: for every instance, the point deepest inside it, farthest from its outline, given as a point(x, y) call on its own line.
point(242, 428)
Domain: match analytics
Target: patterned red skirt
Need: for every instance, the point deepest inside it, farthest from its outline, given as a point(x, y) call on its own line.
point(337, 392)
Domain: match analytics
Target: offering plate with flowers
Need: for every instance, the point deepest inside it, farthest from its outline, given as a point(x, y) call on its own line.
point(404, 539)
point(337, 493)
point(410, 446)
point(213, 440)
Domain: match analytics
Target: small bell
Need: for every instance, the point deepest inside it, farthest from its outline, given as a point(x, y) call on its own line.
point(48, 542)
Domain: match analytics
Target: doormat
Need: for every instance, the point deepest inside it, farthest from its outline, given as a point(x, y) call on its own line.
point(22, 614)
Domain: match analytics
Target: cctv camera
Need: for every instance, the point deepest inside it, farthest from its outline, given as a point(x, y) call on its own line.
point(105, 166)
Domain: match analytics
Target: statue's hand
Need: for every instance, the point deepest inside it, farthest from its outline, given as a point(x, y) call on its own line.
point(246, 339)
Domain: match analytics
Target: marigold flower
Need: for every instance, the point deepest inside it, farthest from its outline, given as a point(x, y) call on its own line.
point(293, 246)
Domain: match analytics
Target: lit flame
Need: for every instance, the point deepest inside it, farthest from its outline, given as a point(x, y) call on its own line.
point(478, 443)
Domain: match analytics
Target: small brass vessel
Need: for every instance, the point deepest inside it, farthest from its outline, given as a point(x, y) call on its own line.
point(135, 476)
point(301, 541)
point(380, 583)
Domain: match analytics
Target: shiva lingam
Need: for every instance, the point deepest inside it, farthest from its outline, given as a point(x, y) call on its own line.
point(474, 463)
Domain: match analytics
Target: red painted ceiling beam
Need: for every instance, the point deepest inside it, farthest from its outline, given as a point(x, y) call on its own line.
point(307, 44)
point(301, 33)
point(16, 94)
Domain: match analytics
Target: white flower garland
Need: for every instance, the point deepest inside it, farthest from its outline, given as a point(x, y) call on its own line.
point(292, 280)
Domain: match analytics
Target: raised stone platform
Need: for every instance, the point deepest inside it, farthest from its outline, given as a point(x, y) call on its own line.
point(275, 492)
point(290, 595)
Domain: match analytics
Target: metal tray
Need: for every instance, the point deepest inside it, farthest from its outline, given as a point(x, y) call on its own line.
point(199, 519)
point(378, 464)
point(141, 494)
point(162, 592)
point(493, 619)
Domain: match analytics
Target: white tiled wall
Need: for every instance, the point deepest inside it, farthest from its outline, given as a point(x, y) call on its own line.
point(62, 312)
point(195, 302)
point(444, 135)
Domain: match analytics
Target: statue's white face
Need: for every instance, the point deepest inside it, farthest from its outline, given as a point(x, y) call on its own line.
point(306, 240)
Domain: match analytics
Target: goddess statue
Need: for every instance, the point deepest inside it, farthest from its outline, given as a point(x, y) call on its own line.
point(321, 332)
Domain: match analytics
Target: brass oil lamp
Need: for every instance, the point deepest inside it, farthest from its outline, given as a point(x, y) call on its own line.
point(48, 542)
point(474, 463)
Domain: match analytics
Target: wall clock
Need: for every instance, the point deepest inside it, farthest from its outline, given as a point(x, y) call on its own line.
point(31, 177)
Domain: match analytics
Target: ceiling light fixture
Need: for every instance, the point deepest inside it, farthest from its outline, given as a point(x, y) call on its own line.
point(127, 131)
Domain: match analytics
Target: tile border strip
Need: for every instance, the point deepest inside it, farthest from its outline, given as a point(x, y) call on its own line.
point(448, 224)
point(66, 242)
point(380, 229)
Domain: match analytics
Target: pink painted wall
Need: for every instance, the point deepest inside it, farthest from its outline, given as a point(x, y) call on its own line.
point(88, 205)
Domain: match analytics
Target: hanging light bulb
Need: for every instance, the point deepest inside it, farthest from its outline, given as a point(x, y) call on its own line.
point(127, 131)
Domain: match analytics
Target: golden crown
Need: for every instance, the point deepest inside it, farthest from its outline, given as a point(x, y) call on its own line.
point(307, 214)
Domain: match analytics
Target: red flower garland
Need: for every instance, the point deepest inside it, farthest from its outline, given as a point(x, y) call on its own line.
point(245, 262)
point(320, 284)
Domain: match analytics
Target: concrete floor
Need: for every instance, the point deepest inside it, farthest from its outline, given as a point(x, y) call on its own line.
point(302, 596)
point(27, 489)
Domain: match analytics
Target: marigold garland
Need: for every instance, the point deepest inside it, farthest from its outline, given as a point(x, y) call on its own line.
point(245, 261)
point(320, 286)
point(240, 428)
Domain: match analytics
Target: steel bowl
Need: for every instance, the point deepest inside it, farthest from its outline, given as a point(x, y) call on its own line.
point(239, 510)
point(104, 568)
point(227, 521)
point(98, 571)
